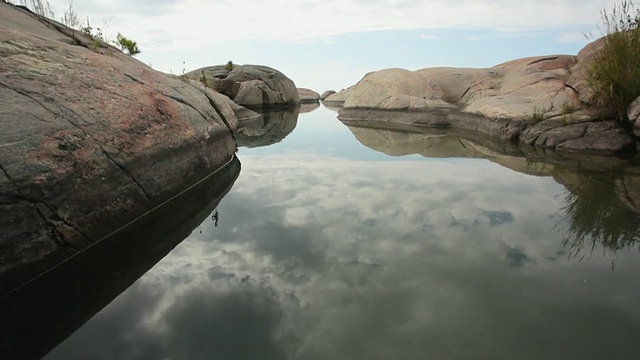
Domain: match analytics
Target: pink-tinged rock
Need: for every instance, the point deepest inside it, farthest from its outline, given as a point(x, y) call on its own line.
point(91, 138)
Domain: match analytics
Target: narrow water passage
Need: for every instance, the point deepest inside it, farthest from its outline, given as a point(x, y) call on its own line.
point(328, 249)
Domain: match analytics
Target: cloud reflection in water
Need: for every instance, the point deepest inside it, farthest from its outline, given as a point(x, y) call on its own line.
point(325, 258)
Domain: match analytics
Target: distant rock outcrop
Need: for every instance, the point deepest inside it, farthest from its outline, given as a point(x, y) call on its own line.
point(545, 101)
point(308, 96)
point(254, 86)
point(326, 94)
point(90, 139)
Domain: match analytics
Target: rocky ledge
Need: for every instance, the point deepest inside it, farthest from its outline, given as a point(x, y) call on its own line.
point(90, 139)
point(544, 101)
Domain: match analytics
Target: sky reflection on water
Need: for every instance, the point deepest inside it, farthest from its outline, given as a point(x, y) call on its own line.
point(321, 257)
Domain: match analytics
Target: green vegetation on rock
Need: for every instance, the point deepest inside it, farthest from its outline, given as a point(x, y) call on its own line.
point(614, 74)
point(71, 19)
point(128, 45)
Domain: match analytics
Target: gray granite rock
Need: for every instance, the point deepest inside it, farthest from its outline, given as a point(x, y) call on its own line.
point(91, 138)
point(253, 86)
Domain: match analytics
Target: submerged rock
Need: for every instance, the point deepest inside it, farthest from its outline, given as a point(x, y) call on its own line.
point(90, 139)
point(253, 86)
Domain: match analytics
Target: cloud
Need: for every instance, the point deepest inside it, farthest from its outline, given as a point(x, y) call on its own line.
point(195, 23)
point(428, 37)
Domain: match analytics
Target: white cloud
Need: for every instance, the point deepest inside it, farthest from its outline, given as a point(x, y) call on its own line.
point(429, 37)
point(197, 23)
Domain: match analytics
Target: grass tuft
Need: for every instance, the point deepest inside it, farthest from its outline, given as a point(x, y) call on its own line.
point(538, 115)
point(614, 74)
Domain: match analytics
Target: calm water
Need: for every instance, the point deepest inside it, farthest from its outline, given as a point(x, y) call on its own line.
point(329, 249)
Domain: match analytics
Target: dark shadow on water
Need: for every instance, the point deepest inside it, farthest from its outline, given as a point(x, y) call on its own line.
point(63, 299)
point(269, 128)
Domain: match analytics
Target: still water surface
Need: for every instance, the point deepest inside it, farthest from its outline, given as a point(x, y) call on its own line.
point(328, 249)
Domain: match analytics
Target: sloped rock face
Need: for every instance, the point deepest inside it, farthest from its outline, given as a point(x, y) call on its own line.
point(507, 101)
point(252, 86)
point(90, 139)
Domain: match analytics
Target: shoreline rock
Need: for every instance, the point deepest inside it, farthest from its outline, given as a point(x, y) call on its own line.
point(85, 149)
point(541, 101)
point(308, 96)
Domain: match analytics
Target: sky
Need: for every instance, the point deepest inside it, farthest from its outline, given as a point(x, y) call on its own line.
point(331, 44)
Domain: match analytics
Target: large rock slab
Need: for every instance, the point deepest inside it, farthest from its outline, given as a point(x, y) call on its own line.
point(548, 94)
point(91, 138)
point(513, 90)
point(252, 86)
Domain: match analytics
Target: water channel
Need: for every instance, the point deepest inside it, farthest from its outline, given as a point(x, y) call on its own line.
point(339, 242)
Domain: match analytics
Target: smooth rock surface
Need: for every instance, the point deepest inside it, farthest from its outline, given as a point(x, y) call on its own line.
point(91, 138)
point(253, 86)
point(308, 96)
point(541, 101)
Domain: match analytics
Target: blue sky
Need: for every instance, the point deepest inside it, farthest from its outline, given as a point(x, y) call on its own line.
point(331, 44)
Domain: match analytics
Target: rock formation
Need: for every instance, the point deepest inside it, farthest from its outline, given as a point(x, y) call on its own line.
point(91, 138)
point(544, 101)
point(253, 86)
point(308, 96)
point(326, 94)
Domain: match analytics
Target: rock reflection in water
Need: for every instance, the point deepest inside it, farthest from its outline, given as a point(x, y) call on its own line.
point(41, 314)
point(269, 128)
point(601, 208)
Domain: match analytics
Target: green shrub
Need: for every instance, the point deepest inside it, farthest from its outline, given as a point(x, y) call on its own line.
point(229, 66)
point(128, 45)
point(614, 74)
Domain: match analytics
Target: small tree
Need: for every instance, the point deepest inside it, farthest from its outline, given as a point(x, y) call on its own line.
point(128, 45)
point(229, 66)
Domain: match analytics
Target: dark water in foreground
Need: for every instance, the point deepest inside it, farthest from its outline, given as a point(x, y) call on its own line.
point(327, 249)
